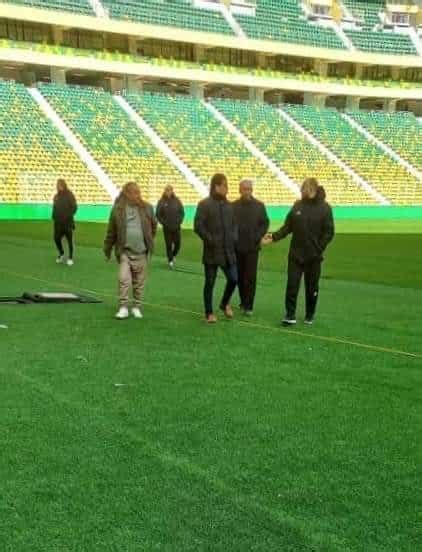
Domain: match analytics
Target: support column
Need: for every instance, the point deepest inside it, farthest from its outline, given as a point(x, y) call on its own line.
point(115, 84)
point(261, 60)
point(256, 95)
point(198, 53)
point(358, 71)
point(352, 103)
point(58, 35)
point(321, 67)
point(390, 105)
point(132, 45)
point(133, 84)
point(315, 100)
point(197, 90)
point(29, 77)
point(395, 72)
point(57, 75)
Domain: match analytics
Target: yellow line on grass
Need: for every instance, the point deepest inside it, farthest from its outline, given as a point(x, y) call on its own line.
point(338, 340)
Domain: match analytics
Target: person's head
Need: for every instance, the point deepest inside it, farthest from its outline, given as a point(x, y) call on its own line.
point(61, 185)
point(219, 186)
point(168, 192)
point(309, 188)
point(132, 192)
point(246, 188)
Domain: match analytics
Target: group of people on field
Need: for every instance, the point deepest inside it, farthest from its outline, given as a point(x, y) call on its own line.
point(232, 234)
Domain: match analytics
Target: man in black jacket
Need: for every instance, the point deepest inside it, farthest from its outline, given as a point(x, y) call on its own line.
point(252, 222)
point(170, 214)
point(64, 209)
point(215, 225)
point(310, 221)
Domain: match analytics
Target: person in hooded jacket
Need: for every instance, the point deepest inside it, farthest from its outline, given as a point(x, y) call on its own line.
point(311, 223)
point(170, 214)
point(215, 225)
point(64, 209)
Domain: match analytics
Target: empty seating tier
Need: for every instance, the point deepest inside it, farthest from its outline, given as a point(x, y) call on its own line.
point(386, 175)
point(285, 22)
point(74, 6)
point(33, 154)
point(291, 150)
point(171, 13)
point(205, 145)
point(400, 131)
point(123, 150)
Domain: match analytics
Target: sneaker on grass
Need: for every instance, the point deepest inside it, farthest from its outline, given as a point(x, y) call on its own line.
point(122, 313)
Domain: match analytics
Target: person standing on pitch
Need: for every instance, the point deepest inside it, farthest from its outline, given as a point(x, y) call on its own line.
point(215, 225)
point(131, 231)
point(64, 209)
point(170, 214)
point(252, 222)
point(310, 221)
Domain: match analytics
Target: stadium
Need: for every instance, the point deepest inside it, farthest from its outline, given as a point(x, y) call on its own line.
point(169, 433)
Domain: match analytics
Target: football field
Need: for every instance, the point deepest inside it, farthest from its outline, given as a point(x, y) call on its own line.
point(166, 434)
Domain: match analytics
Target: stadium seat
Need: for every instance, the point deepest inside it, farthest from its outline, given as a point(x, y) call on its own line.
point(400, 131)
point(172, 13)
point(205, 145)
point(291, 151)
point(74, 6)
point(386, 175)
point(115, 141)
point(33, 154)
point(285, 22)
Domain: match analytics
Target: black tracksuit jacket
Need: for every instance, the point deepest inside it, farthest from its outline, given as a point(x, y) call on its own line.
point(311, 223)
point(170, 212)
point(64, 209)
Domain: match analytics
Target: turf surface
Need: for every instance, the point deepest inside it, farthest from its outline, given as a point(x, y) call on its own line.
point(241, 436)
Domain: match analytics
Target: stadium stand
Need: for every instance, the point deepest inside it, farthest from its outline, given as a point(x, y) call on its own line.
point(205, 145)
point(174, 13)
point(401, 131)
point(33, 154)
point(181, 64)
point(291, 150)
point(115, 141)
point(285, 22)
point(368, 38)
point(74, 6)
point(386, 175)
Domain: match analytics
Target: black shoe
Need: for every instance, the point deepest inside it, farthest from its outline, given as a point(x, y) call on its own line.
point(288, 321)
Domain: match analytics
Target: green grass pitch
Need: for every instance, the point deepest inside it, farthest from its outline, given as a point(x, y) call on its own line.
point(238, 437)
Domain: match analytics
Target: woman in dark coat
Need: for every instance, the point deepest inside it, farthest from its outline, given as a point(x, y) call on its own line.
point(64, 209)
point(170, 214)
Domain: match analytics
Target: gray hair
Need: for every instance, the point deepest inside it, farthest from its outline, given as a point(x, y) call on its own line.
point(247, 181)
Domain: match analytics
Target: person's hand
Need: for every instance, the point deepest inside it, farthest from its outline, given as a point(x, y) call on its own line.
point(267, 239)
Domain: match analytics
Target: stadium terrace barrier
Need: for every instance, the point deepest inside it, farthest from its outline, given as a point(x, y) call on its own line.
point(100, 213)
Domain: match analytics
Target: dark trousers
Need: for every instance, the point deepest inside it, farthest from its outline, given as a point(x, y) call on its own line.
point(173, 241)
point(61, 232)
point(312, 272)
point(247, 266)
point(230, 272)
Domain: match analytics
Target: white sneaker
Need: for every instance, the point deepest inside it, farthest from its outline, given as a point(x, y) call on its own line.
point(171, 264)
point(69, 262)
point(59, 259)
point(122, 313)
point(136, 313)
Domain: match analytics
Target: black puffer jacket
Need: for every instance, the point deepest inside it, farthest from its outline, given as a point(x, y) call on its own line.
point(252, 223)
point(64, 208)
point(215, 225)
point(170, 212)
point(310, 221)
